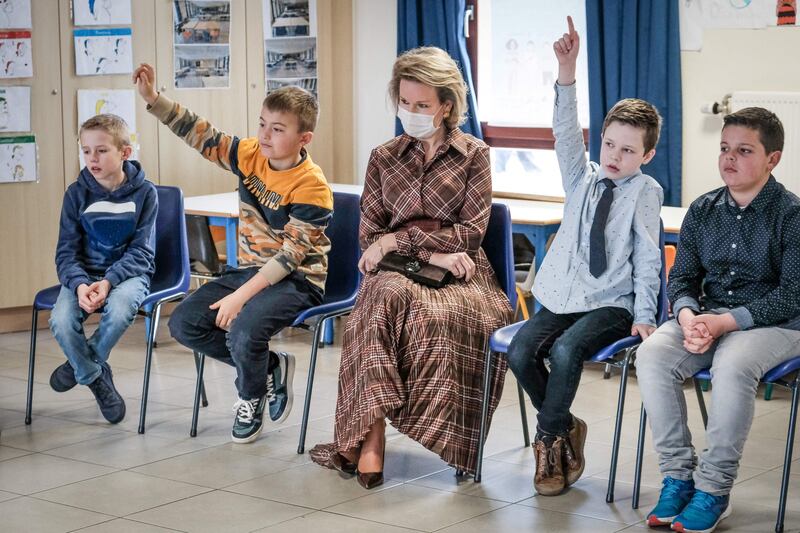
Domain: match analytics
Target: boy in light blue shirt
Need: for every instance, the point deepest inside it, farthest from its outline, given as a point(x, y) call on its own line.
point(599, 281)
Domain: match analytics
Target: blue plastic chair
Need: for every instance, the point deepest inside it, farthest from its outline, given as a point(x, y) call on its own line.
point(627, 346)
point(775, 376)
point(340, 295)
point(170, 282)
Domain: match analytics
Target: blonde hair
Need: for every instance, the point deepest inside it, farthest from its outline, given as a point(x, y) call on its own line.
point(296, 101)
point(113, 125)
point(433, 67)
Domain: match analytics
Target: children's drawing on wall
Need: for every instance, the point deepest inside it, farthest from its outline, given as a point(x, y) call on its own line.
point(202, 66)
point(101, 12)
point(106, 51)
point(120, 102)
point(290, 18)
point(18, 159)
point(16, 59)
point(15, 14)
point(201, 21)
point(786, 11)
point(15, 109)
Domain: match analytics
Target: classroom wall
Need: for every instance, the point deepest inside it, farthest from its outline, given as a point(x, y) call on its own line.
point(731, 60)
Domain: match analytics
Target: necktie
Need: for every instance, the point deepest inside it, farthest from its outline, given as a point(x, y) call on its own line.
point(597, 235)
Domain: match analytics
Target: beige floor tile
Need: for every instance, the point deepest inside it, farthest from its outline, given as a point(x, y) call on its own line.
point(34, 516)
point(12, 386)
point(36, 472)
point(158, 415)
point(500, 481)
point(764, 490)
point(282, 444)
point(588, 498)
point(121, 493)
point(126, 450)
point(9, 419)
point(44, 366)
point(307, 485)
point(220, 511)
point(46, 433)
point(522, 519)
point(406, 459)
point(47, 402)
point(416, 507)
point(7, 495)
point(332, 523)
point(213, 467)
point(120, 525)
point(10, 453)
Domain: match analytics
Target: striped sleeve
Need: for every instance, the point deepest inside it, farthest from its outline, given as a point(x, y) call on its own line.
point(213, 144)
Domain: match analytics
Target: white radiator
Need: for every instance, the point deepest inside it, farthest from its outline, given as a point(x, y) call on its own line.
point(787, 106)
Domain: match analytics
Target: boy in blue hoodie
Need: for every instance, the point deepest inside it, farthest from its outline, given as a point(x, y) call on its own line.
point(104, 259)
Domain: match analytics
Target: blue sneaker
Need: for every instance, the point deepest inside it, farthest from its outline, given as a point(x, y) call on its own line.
point(279, 387)
point(703, 513)
point(248, 422)
point(675, 495)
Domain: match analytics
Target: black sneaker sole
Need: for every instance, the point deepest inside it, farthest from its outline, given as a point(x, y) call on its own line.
point(290, 363)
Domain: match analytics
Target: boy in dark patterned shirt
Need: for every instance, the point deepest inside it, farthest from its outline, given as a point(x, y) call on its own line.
point(735, 292)
point(285, 204)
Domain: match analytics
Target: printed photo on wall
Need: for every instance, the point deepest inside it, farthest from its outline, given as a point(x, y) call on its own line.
point(18, 159)
point(15, 54)
point(15, 14)
point(106, 51)
point(120, 102)
point(201, 21)
point(15, 109)
point(290, 18)
point(202, 66)
point(101, 12)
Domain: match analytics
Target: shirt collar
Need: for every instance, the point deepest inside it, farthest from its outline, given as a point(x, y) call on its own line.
point(455, 138)
point(619, 182)
point(767, 194)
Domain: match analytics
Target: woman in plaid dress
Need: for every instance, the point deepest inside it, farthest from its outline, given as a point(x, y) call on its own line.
point(411, 353)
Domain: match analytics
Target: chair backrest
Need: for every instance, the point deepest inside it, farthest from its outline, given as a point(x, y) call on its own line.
point(662, 311)
point(499, 248)
point(172, 252)
point(343, 274)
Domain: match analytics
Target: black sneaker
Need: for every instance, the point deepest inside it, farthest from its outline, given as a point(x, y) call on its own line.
point(108, 399)
point(63, 378)
point(279, 387)
point(247, 424)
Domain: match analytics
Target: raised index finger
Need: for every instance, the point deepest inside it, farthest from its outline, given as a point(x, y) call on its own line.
point(571, 26)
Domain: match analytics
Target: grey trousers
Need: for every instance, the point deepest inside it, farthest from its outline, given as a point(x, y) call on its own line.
point(738, 360)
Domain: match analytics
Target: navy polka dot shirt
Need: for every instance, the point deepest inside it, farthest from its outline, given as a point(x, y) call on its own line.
point(746, 260)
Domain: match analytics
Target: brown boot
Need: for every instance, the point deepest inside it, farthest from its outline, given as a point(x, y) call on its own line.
point(549, 477)
point(574, 460)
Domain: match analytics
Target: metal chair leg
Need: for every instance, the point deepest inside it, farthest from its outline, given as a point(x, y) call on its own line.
point(637, 475)
point(202, 383)
point(154, 316)
point(623, 385)
point(31, 362)
point(698, 388)
point(525, 433)
point(201, 361)
point(787, 459)
point(607, 371)
point(312, 366)
point(768, 392)
point(487, 380)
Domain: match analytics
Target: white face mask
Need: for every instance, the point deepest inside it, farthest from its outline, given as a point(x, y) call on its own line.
point(417, 125)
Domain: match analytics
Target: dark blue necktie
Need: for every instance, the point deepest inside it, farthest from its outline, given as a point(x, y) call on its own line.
point(597, 235)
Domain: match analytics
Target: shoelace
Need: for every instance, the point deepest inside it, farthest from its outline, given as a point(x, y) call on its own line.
point(703, 500)
point(672, 488)
point(270, 388)
point(245, 409)
point(104, 392)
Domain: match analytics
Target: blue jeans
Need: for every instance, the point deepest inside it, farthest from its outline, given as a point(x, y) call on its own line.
point(246, 345)
point(66, 322)
point(567, 340)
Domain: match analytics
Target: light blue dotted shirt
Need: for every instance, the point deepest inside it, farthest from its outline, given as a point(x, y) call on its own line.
point(564, 283)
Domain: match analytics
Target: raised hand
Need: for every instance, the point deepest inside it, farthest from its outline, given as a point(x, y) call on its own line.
point(145, 79)
point(566, 49)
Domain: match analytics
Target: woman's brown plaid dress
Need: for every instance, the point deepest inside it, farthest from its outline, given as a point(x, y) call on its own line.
point(411, 353)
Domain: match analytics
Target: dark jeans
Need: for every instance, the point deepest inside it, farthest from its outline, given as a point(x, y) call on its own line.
point(246, 345)
point(567, 340)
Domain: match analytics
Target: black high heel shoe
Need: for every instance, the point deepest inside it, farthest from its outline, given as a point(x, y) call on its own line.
point(370, 480)
point(343, 465)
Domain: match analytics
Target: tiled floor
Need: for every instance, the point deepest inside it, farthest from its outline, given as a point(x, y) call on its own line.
point(71, 471)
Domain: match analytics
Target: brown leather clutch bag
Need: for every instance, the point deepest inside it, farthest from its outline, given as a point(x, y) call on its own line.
point(416, 270)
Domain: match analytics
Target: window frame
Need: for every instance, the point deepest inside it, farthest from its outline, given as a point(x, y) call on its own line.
point(505, 136)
